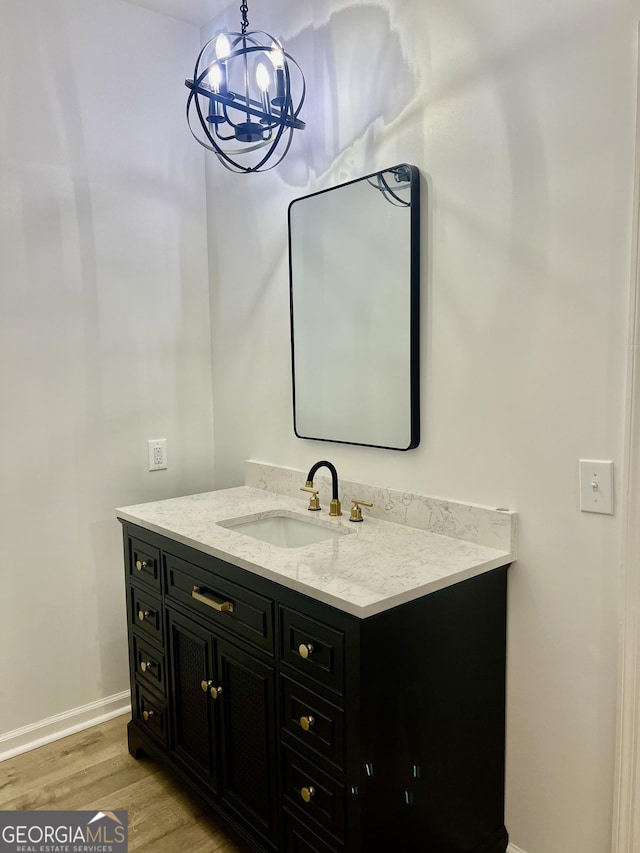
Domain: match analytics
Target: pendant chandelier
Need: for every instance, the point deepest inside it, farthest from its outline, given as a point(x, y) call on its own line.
point(241, 103)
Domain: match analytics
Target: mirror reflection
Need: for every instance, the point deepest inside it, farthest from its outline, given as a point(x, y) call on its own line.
point(354, 288)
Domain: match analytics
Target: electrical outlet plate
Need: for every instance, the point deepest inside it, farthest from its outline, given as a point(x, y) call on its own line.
point(157, 448)
point(596, 486)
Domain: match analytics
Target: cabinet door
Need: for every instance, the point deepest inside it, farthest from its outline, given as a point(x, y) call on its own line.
point(248, 759)
point(192, 674)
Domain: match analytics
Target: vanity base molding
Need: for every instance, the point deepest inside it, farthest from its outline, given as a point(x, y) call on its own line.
point(305, 729)
point(498, 843)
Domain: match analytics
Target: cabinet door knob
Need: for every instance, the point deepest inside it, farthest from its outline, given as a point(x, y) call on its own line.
point(143, 614)
point(147, 715)
point(307, 722)
point(307, 793)
point(305, 649)
point(208, 685)
point(146, 665)
point(141, 564)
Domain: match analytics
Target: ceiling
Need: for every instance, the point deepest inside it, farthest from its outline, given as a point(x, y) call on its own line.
point(197, 12)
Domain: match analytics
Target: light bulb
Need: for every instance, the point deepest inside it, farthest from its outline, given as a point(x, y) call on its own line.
point(214, 78)
point(223, 48)
point(276, 55)
point(262, 77)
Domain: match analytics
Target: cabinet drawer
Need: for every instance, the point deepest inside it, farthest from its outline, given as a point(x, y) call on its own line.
point(146, 614)
point(315, 798)
point(299, 840)
point(315, 723)
point(151, 714)
point(228, 605)
point(312, 648)
point(144, 563)
point(149, 664)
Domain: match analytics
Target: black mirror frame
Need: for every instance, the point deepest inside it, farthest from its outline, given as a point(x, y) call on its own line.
point(414, 322)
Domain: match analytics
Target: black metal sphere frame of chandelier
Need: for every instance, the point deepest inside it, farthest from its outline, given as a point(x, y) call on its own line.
point(401, 175)
point(235, 97)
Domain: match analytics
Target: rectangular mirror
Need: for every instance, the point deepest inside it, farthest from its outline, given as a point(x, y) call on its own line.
point(354, 259)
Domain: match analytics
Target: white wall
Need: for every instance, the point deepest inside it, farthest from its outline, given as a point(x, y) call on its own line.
point(104, 329)
point(520, 116)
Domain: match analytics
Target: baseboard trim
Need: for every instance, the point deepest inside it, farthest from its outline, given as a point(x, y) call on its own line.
point(61, 725)
point(513, 849)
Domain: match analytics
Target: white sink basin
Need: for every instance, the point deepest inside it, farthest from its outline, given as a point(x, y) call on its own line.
point(286, 530)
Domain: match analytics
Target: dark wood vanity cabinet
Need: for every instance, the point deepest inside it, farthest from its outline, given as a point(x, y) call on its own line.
point(308, 730)
point(223, 735)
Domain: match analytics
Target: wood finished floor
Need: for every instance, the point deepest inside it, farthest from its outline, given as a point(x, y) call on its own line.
point(92, 770)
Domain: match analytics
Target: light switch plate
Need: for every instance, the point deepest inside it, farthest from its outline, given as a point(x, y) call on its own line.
point(596, 486)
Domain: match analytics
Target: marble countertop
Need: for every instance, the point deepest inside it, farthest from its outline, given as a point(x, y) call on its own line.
point(376, 565)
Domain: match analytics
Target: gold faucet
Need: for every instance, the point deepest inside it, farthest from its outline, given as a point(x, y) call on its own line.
point(314, 500)
point(334, 507)
point(356, 512)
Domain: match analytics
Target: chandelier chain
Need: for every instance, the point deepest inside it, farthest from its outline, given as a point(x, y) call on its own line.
point(244, 9)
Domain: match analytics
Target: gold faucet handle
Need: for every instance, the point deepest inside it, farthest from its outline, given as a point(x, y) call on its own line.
point(356, 512)
point(314, 500)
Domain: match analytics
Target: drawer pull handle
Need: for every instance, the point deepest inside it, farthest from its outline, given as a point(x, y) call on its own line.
point(143, 614)
point(221, 606)
point(205, 685)
point(147, 715)
point(305, 649)
point(141, 564)
point(215, 692)
point(307, 722)
point(307, 793)
point(146, 665)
